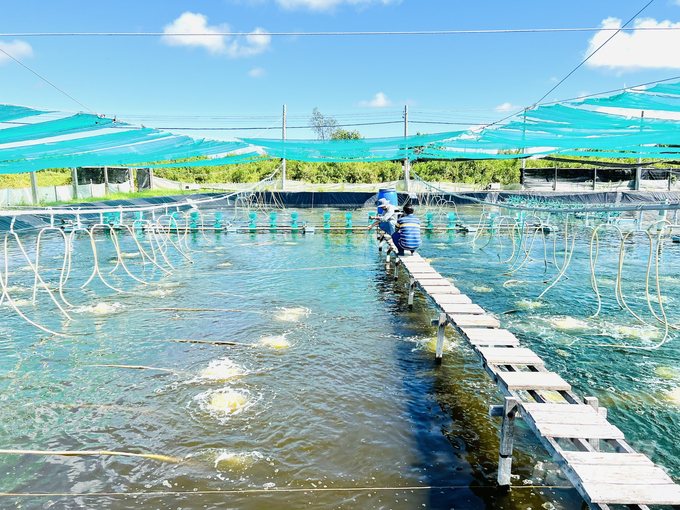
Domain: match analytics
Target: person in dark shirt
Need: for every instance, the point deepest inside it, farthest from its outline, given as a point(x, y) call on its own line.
point(407, 236)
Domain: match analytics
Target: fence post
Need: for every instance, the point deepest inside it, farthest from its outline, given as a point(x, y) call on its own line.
point(74, 179)
point(106, 180)
point(555, 182)
point(34, 188)
point(594, 177)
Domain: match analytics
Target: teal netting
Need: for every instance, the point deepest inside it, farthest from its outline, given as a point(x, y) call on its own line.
point(574, 128)
point(9, 112)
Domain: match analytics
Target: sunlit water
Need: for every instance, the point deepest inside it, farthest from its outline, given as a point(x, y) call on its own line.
point(331, 397)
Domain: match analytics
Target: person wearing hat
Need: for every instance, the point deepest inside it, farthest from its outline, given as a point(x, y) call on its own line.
point(387, 221)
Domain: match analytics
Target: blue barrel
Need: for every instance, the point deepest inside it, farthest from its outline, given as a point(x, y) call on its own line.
point(391, 195)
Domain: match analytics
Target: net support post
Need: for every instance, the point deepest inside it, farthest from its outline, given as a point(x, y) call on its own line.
point(510, 408)
point(106, 180)
point(74, 180)
point(34, 189)
point(283, 161)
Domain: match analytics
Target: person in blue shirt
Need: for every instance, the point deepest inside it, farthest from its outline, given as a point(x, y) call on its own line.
point(407, 236)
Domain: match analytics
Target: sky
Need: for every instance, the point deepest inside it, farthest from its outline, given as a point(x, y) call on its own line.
point(220, 85)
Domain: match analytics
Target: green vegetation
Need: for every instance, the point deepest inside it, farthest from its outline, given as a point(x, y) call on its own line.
point(467, 172)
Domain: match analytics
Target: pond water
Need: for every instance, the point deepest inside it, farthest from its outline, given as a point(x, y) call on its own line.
point(330, 397)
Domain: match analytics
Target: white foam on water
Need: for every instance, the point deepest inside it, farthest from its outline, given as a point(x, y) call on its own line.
point(529, 304)
point(293, 314)
point(289, 243)
point(225, 264)
point(224, 402)
point(236, 461)
point(568, 323)
point(667, 372)
point(275, 342)
point(100, 308)
point(161, 292)
point(482, 288)
point(19, 302)
point(639, 332)
point(222, 370)
point(129, 255)
point(673, 396)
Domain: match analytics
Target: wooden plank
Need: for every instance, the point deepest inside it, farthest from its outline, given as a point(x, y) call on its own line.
point(607, 459)
point(623, 475)
point(458, 309)
point(480, 321)
point(439, 290)
point(442, 299)
point(557, 408)
point(505, 356)
point(477, 336)
point(567, 419)
point(420, 267)
point(618, 494)
point(422, 276)
point(433, 282)
point(572, 431)
point(534, 381)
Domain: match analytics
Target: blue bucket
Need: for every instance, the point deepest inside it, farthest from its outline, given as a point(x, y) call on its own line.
point(391, 195)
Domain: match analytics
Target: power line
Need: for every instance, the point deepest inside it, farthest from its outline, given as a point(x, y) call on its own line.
point(593, 53)
point(46, 80)
point(362, 33)
point(616, 31)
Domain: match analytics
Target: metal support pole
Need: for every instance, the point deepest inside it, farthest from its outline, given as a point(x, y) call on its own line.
point(74, 180)
point(131, 175)
point(594, 177)
point(638, 170)
point(283, 161)
point(396, 270)
point(407, 163)
point(106, 180)
point(151, 185)
point(441, 328)
point(555, 183)
point(510, 408)
point(34, 188)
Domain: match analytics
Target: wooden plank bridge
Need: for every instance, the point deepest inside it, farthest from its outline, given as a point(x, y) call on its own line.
point(591, 452)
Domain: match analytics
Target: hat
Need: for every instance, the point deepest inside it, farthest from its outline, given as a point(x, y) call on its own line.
point(383, 203)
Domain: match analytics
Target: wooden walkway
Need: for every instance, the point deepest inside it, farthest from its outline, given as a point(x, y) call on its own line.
point(591, 452)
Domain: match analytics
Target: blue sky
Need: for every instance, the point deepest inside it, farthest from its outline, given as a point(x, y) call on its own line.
point(225, 83)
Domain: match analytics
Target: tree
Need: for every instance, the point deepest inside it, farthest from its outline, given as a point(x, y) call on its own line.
point(323, 126)
point(341, 134)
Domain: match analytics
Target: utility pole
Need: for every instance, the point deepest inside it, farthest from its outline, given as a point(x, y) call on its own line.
point(407, 163)
point(283, 163)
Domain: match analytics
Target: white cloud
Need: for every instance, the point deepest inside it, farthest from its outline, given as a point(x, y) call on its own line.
point(326, 5)
point(257, 72)
point(630, 51)
point(18, 49)
point(379, 101)
point(506, 107)
point(196, 24)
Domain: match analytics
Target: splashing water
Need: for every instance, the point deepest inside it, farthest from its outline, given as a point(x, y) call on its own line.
point(161, 292)
point(528, 304)
point(481, 288)
point(568, 323)
point(230, 461)
point(100, 308)
point(640, 333)
point(222, 370)
point(293, 314)
point(667, 372)
point(224, 402)
point(275, 342)
point(674, 396)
